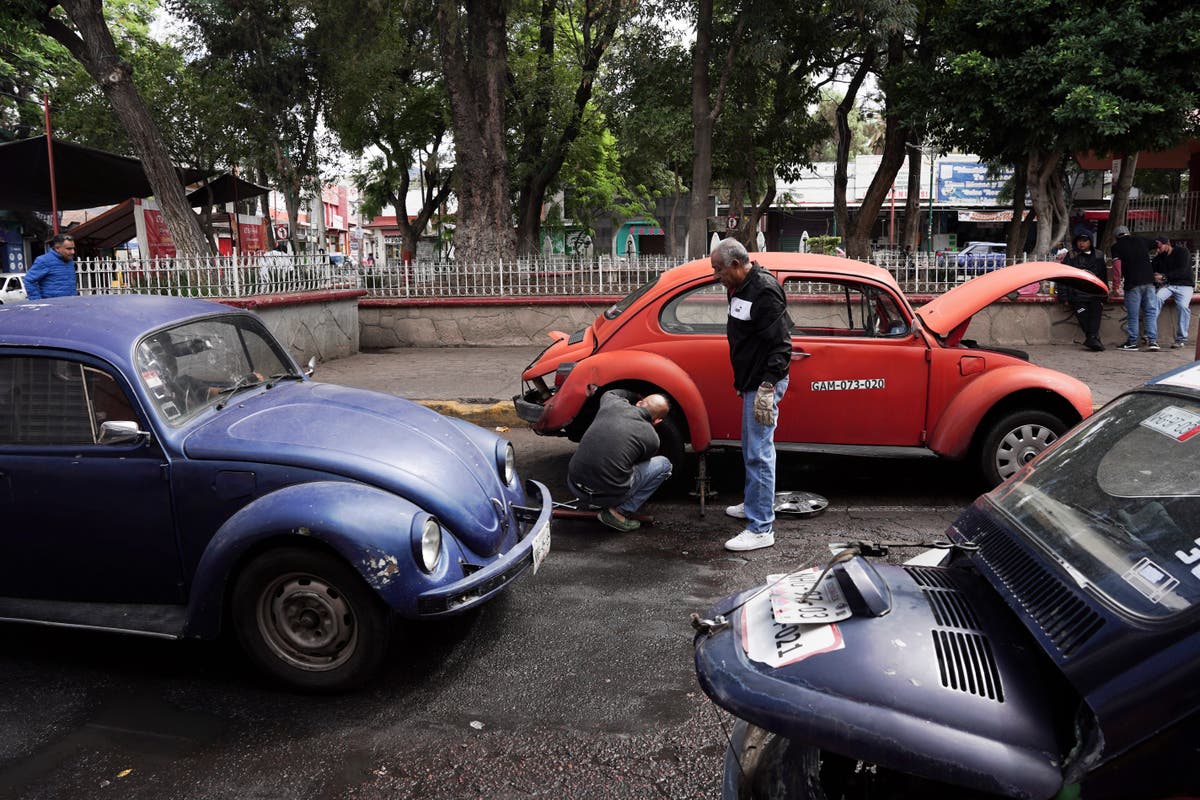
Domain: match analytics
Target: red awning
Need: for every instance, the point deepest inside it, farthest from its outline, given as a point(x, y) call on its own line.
point(1147, 214)
point(646, 230)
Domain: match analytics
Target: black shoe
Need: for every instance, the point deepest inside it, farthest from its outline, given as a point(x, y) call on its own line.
point(1129, 346)
point(1094, 345)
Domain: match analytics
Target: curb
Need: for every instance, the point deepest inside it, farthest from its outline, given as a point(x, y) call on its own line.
point(500, 414)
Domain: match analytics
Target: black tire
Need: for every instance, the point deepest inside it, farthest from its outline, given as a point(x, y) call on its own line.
point(309, 620)
point(1013, 441)
point(786, 770)
point(671, 444)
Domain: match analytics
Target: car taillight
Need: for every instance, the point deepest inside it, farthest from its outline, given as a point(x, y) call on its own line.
point(560, 374)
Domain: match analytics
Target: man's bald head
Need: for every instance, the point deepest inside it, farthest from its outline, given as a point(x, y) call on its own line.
point(656, 405)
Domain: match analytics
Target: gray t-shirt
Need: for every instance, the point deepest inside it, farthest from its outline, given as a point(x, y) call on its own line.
point(620, 436)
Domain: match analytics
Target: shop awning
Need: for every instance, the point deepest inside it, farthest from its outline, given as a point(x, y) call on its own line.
point(113, 227)
point(225, 189)
point(85, 177)
point(1147, 214)
point(646, 230)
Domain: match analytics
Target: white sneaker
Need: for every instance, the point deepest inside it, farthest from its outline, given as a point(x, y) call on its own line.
point(738, 511)
point(749, 540)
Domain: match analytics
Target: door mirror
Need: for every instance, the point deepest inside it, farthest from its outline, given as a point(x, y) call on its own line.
point(121, 432)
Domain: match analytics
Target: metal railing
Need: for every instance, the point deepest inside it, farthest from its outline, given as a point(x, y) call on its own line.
point(1171, 212)
point(213, 277)
point(274, 273)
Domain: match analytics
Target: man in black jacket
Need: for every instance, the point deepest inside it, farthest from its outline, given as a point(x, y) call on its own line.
point(1140, 297)
point(1088, 307)
point(615, 466)
point(760, 349)
point(1173, 274)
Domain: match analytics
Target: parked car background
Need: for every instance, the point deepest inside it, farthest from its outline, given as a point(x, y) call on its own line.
point(870, 374)
point(12, 288)
point(979, 257)
point(167, 470)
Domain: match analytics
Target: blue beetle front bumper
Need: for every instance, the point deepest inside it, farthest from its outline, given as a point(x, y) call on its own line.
point(480, 586)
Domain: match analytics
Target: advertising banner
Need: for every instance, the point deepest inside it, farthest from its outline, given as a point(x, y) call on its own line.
point(251, 235)
point(967, 182)
point(157, 239)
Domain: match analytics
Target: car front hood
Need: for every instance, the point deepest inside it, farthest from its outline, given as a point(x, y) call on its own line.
point(946, 312)
point(378, 439)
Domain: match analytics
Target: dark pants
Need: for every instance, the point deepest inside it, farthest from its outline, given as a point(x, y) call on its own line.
point(1089, 312)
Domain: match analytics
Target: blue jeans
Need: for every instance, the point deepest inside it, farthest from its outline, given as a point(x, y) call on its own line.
point(758, 453)
point(647, 476)
point(1183, 300)
point(1139, 299)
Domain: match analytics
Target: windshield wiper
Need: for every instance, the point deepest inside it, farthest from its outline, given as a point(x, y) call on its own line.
point(247, 381)
point(283, 376)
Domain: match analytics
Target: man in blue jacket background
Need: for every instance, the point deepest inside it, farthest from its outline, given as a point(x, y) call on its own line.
point(53, 272)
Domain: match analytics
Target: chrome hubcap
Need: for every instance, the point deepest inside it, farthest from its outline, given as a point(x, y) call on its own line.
point(1020, 446)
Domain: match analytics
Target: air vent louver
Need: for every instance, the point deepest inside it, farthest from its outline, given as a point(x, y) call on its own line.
point(967, 664)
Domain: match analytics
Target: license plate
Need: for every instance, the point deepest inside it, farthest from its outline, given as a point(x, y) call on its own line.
point(541, 546)
point(825, 604)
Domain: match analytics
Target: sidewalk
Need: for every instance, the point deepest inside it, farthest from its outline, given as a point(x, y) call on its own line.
point(477, 383)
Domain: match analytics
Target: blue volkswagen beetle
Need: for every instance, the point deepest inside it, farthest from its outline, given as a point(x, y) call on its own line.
point(167, 470)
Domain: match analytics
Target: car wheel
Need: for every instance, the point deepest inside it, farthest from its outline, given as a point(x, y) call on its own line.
point(309, 620)
point(775, 768)
point(671, 444)
point(1014, 440)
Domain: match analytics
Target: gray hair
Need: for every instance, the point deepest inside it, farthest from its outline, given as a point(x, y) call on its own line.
point(728, 251)
point(59, 238)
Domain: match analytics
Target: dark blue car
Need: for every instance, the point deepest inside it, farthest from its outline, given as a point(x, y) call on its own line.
point(1055, 655)
point(167, 470)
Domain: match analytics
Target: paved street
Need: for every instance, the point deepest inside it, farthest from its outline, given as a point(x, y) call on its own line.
point(577, 684)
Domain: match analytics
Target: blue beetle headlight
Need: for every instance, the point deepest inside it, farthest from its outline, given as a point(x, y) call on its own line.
point(506, 461)
point(426, 541)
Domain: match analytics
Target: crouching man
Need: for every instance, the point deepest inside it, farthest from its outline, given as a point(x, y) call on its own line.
point(615, 466)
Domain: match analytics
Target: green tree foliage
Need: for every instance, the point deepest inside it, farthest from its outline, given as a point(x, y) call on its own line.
point(263, 51)
point(385, 95)
point(1030, 82)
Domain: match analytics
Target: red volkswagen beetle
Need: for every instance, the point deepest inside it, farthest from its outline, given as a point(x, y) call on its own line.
point(870, 374)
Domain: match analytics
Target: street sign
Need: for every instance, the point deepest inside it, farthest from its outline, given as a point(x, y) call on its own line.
point(281, 232)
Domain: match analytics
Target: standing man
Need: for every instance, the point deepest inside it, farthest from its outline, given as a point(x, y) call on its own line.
point(760, 349)
point(53, 272)
point(615, 466)
point(1173, 272)
point(1088, 306)
point(1134, 254)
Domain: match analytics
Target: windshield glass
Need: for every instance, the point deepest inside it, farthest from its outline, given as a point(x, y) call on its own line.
point(193, 366)
point(615, 309)
point(1118, 503)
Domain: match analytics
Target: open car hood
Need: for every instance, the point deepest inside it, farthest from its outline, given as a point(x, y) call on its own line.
point(944, 313)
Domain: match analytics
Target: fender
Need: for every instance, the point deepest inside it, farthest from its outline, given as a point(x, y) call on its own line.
point(604, 369)
point(959, 420)
point(368, 527)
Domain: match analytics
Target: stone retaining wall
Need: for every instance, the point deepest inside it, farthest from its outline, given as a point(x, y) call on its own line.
point(322, 324)
point(397, 323)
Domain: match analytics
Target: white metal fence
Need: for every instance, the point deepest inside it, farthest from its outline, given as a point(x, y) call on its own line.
point(272, 273)
point(215, 276)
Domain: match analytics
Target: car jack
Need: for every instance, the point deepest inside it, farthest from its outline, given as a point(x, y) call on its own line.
point(788, 504)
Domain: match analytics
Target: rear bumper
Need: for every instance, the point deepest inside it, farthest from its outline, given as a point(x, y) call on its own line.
point(479, 587)
point(528, 410)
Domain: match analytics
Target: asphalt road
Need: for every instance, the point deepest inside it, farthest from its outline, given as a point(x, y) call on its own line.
point(576, 684)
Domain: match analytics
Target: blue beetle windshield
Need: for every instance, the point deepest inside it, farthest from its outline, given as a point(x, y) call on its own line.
point(1118, 503)
point(190, 367)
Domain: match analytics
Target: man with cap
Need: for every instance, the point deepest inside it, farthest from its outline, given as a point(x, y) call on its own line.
point(1140, 296)
point(1088, 306)
point(1173, 273)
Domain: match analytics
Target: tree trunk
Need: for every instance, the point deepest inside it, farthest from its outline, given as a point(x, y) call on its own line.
point(474, 60)
point(858, 235)
point(93, 47)
point(1119, 208)
point(910, 235)
point(1015, 238)
point(841, 167)
point(705, 112)
point(1040, 166)
point(756, 213)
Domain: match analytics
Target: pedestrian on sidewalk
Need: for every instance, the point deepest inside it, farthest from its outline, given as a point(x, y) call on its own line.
point(1173, 274)
point(1088, 307)
point(1140, 294)
point(53, 272)
point(615, 466)
point(760, 349)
